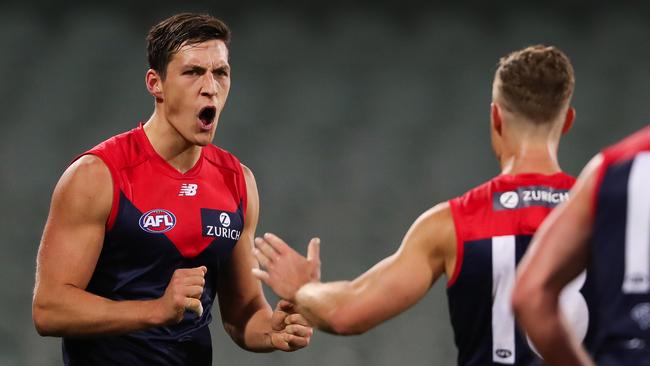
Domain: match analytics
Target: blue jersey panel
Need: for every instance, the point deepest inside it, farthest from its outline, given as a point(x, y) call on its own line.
point(623, 331)
point(471, 299)
point(135, 265)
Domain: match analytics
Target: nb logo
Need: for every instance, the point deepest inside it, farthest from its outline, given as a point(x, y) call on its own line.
point(188, 189)
point(224, 219)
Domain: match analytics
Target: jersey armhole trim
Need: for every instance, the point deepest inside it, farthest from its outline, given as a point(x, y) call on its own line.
point(242, 187)
point(110, 221)
point(460, 250)
point(600, 175)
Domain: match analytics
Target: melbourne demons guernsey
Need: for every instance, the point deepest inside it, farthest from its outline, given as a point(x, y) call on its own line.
point(494, 224)
point(161, 220)
point(620, 253)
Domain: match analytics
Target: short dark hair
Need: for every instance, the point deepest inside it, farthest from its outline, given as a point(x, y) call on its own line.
point(168, 36)
point(536, 82)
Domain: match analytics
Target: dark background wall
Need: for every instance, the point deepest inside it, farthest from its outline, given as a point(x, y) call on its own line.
point(354, 116)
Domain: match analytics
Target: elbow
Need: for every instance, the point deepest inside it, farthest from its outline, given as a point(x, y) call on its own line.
point(342, 324)
point(236, 335)
point(344, 329)
point(42, 322)
point(525, 298)
point(518, 299)
point(43, 319)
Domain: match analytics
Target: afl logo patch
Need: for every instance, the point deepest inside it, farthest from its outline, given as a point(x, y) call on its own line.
point(157, 221)
point(509, 199)
point(641, 315)
point(503, 353)
point(224, 219)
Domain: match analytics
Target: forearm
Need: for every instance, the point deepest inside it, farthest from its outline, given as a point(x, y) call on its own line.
point(548, 330)
point(68, 311)
point(255, 334)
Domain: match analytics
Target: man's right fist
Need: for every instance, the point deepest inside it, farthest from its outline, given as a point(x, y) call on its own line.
point(183, 293)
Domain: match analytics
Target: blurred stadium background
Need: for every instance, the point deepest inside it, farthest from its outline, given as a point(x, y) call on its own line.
point(354, 116)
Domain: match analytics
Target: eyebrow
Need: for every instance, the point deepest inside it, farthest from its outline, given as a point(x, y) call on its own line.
point(195, 67)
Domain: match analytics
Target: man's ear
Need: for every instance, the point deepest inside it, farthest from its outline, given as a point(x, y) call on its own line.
point(568, 120)
point(495, 118)
point(153, 81)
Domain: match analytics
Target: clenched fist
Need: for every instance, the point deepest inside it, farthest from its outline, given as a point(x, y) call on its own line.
point(291, 331)
point(183, 293)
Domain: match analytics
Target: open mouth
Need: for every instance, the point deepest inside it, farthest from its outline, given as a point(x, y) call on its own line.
point(207, 114)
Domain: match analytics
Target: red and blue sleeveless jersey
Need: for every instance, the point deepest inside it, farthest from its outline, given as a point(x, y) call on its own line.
point(620, 253)
point(162, 220)
point(494, 224)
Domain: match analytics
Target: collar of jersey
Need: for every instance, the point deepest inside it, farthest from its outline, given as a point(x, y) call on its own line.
point(161, 163)
point(523, 177)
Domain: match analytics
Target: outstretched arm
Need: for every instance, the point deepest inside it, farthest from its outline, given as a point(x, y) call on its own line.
point(558, 253)
point(71, 244)
point(246, 315)
point(385, 290)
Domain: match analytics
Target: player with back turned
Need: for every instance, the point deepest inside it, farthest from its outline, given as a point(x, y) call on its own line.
point(605, 226)
point(476, 239)
point(150, 227)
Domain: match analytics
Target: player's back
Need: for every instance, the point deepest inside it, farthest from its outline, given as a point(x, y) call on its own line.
point(620, 254)
point(494, 224)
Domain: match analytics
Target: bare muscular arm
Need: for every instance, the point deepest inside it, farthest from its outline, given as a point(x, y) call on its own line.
point(71, 243)
point(387, 289)
point(246, 315)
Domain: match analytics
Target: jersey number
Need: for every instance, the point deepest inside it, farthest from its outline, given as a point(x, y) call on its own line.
point(637, 229)
point(504, 261)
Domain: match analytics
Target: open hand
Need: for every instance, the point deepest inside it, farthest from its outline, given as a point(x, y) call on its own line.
point(283, 269)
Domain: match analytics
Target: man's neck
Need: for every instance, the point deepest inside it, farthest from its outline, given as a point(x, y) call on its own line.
point(531, 157)
point(170, 144)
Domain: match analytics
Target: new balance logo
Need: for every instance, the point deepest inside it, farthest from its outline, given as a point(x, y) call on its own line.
point(188, 189)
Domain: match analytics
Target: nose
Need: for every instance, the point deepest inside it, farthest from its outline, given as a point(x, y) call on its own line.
point(210, 87)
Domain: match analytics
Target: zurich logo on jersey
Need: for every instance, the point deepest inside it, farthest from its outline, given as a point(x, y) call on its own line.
point(224, 219)
point(222, 224)
point(509, 199)
point(157, 221)
point(529, 196)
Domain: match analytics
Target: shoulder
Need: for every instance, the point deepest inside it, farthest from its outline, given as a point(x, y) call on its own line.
point(248, 173)
point(474, 200)
point(249, 177)
point(435, 217)
point(251, 198)
point(121, 150)
point(434, 230)
point(85, 187)
point(222, 158)
point(86, 169)
point(478, 193)
point(628, 147)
